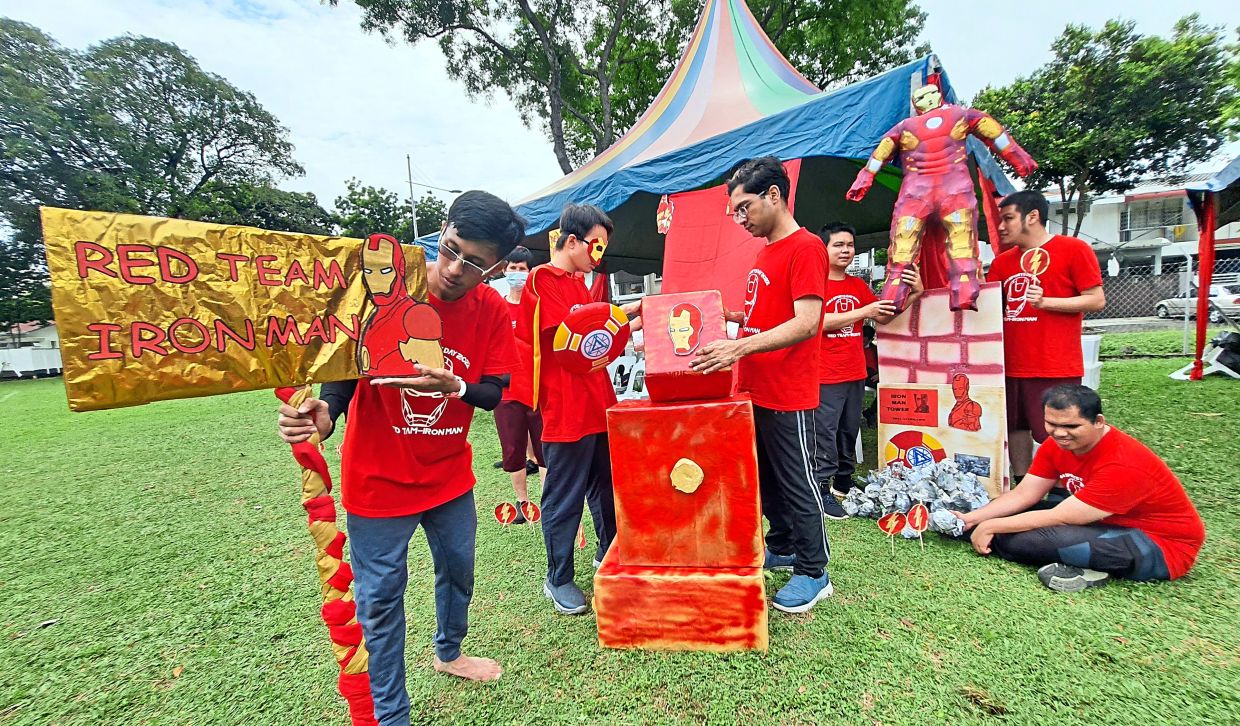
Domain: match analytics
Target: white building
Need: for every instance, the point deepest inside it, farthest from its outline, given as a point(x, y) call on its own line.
point(1147, 225)
point(30, 350)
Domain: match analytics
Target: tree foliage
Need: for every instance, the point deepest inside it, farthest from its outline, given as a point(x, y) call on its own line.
point(585, 71)
point(129, 125)
point(366, 210)
point(260, 205)
point(1114, 107)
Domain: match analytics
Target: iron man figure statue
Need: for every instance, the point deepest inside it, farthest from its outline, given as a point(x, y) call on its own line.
point(937, 185)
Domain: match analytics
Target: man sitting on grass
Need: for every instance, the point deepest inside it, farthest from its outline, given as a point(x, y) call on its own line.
point(1123, 513)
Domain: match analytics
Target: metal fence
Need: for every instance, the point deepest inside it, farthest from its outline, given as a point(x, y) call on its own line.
point(1138, 292)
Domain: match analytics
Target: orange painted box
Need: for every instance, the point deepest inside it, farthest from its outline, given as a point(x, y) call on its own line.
point(685, 477)
point(679, 608)
point(675, 327)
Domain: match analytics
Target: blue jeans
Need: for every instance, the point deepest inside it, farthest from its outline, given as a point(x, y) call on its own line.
point(379, 547)
point(1121, 551)
point(577, 472)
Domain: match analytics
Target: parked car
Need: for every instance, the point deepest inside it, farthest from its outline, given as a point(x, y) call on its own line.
point(1223, 299)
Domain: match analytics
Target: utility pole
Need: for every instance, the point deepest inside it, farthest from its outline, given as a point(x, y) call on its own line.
point(413, 205)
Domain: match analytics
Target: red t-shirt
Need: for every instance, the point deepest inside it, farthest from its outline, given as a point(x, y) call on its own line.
point(404, 452)
point(1122, 476)
point(842, 359)
point(1041, 343)
point(784, 271)
point(573, 405)
point(521, 386)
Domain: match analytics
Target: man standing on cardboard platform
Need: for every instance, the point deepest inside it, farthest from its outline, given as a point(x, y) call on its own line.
point(1049, 282)
point(777, 360)
point(406, 461)
point(573, 405)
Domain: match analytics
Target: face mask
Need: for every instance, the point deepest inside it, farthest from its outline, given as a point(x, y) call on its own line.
point(516, 279)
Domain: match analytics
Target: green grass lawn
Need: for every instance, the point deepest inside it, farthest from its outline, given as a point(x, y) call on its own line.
point(1157, 342)
point(158, 570)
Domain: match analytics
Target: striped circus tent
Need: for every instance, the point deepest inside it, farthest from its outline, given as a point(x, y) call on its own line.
point(733, 96)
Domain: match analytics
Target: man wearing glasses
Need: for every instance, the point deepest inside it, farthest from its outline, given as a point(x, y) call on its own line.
point(777, 362)
point(573, 405)
point(406, 461)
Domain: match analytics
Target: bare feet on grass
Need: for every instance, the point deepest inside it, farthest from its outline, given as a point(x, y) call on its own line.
point(470, 668)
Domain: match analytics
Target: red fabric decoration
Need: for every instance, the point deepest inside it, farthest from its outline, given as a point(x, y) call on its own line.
point(356, 690)
point(338, 612)
point(345, 634)
point(1207, 221)
point(321, 509)
point(342, 578)
point(336, 548)
point(706, 250)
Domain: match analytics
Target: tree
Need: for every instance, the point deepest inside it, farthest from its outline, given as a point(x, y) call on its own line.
point(130, 125)
point(261, 205)
point(1114, 107)
point(1231, 111)
point(431, 213)
point(587, 70)
point(367, 210)
point(24, 293)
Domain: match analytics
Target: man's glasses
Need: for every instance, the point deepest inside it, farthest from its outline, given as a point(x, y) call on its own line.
point(741, 213)
point(453, 257)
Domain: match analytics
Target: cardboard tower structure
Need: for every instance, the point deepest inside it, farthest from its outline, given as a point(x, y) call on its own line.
point(685, 569)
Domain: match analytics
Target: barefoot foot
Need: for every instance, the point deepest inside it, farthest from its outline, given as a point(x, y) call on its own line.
point(470, 668)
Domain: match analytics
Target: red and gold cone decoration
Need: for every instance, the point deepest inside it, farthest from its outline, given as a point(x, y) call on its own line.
point(336, 577)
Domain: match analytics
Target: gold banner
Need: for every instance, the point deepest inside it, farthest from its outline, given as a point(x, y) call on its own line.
point(150, 309)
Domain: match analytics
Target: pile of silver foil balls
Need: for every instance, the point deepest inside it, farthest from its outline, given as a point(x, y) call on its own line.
point(941, 486)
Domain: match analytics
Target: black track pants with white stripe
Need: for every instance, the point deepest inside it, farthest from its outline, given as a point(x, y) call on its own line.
point(791, 499)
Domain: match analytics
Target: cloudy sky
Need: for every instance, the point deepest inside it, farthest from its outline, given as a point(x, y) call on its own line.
point(356, 105)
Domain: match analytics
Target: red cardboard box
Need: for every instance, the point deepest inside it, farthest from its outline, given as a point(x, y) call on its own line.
point(675, 327)
point(658, 452)
point(679, 608)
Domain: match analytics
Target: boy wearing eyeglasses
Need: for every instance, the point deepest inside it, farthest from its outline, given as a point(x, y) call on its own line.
point(406, 460)
point(777, 363)
point(573, 405)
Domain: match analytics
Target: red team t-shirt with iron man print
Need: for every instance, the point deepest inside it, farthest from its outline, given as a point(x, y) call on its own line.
point(1042, 343)
point(406, 452)
point(843, 351)
point(784, 271)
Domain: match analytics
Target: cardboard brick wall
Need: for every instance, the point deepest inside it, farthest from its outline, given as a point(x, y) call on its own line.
point(941, 392)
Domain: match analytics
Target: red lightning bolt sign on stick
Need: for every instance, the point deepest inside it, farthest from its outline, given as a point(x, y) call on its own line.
point(891, 524)
point(335, 576)
point(919, 519)
point(505, 514)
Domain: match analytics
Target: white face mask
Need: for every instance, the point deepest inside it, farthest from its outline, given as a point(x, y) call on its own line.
point(516, 279)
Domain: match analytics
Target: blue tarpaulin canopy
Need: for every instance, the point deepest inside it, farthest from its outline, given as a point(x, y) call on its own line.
point(732, 97)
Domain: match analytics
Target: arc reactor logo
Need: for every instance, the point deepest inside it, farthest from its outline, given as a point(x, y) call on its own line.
point(596, 344)
point(920, 456)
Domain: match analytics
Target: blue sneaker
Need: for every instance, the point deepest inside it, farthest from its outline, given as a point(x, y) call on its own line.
point(782, 563)
point(801, 592)
point(568, 599)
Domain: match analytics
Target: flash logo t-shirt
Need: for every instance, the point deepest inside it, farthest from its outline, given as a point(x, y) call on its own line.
point(1043, 343)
